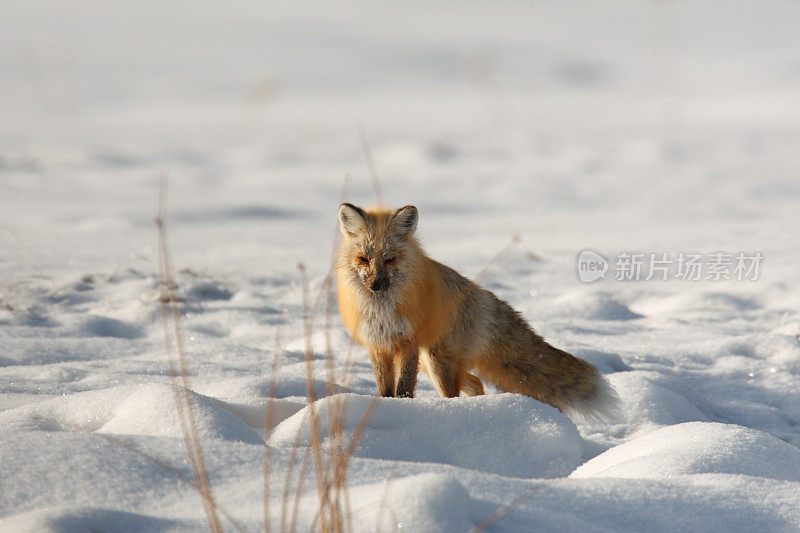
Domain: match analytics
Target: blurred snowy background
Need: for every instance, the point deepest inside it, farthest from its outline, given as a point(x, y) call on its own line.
point(641, 126)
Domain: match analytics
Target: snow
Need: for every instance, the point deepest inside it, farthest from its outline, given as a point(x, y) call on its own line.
point(538, 441)
point(697, 448)
point(645, 127)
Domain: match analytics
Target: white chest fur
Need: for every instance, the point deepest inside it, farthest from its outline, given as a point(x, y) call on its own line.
point(381, 324)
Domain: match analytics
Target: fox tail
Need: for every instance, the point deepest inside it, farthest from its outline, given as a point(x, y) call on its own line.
point(600, 405)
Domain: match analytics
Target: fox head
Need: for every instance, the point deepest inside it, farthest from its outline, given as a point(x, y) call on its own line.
point(378, 248)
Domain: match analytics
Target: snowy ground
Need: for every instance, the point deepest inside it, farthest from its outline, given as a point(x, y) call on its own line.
point(639, 127)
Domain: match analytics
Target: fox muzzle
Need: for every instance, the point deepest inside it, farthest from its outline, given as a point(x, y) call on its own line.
point(380, 284)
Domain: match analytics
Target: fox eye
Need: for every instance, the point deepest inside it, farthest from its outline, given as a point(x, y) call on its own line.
point(363, 260)
point(390, 260)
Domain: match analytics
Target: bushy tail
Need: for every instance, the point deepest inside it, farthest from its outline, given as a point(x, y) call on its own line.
point(519, 360)
point(600, 405)
point(558, 378)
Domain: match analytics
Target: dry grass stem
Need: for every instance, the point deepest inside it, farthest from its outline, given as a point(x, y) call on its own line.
point(329, 464)
point(161, 464)
point(373, 172)
point(288, 478)
point(507, 508)
point(268, 423)
point(499, 258)
point(19, 241)
point(169, 312)
point(151, 459)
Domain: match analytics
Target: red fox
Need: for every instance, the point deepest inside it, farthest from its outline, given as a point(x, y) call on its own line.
point(407, 309)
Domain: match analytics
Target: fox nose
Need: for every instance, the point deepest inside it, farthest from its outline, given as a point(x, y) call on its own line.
point(380, 284)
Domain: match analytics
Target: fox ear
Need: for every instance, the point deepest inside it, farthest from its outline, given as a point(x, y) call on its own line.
point(404, 221)
point(352, 220)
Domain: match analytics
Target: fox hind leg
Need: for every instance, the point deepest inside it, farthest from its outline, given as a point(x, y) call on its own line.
point(443, 371)
point(471, 385)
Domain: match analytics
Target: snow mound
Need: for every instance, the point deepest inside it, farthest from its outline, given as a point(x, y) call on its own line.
point(506, 434)
point(696, 304)
point(604, 362)
point(151, 411)
point(700, 503)
point(415, 503)
point(207, 290)
point(75, 469)
point(596, 305)
point(103, 326)
point(697, 448)
point(651, 399)
point(130, 410)
point(88, 520)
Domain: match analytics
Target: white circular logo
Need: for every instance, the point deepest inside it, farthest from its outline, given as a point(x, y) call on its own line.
point(591, 266)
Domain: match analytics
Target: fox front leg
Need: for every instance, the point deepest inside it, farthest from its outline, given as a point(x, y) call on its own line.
point(383, 368)
point(408, 363)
